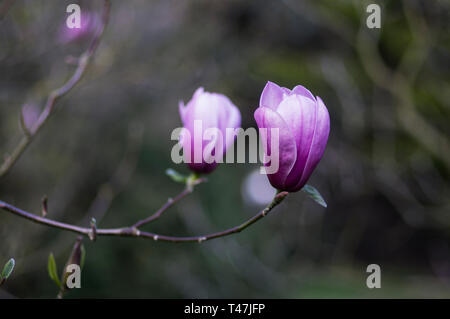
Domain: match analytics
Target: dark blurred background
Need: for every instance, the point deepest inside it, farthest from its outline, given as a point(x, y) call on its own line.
point(385, 172)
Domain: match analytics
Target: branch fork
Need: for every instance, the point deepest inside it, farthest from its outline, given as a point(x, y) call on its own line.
point(134, 231)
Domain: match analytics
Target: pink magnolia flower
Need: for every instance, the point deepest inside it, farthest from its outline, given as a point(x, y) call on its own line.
point(207, 112)
point(303, 126)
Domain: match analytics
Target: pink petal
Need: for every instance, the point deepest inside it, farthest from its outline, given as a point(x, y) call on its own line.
point(301, 90)
point(271, 96)
point(299, 113)
point(319, 142)
point(267, 118)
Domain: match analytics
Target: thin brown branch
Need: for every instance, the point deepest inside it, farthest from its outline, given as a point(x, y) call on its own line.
point(134, 232)
point(170, 202)
point(56, 94)
point(44, 220)
point(167, 205)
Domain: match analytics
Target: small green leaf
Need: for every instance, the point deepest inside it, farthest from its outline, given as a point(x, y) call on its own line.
point(8, 269)
point(314, 194)
point(175, 176)
point(52, 272)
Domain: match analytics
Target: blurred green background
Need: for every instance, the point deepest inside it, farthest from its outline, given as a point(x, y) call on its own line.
point(385, 172)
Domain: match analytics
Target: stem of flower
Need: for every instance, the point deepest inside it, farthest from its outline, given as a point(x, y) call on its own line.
point(170, 202)
point(135, 232)
point(192, 181)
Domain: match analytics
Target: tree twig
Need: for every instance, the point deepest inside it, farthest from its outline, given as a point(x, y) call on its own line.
point(56, 94)
point(135, 232)
point(167, 205)
point(170, 202)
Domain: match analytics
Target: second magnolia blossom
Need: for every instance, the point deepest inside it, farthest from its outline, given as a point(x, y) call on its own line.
point(304, 125)
point(206, 118)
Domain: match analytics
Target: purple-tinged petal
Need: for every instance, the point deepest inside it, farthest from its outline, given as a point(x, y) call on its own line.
point(319, 142)
point(224, 110)
point(271, 96)
point(202, 168)
point(208, 111)
point(197, 93)
point(183, 109)
point(233, 120)
point(287, 151)
point(299, 113)
point(286, 92)
point(301, 90)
